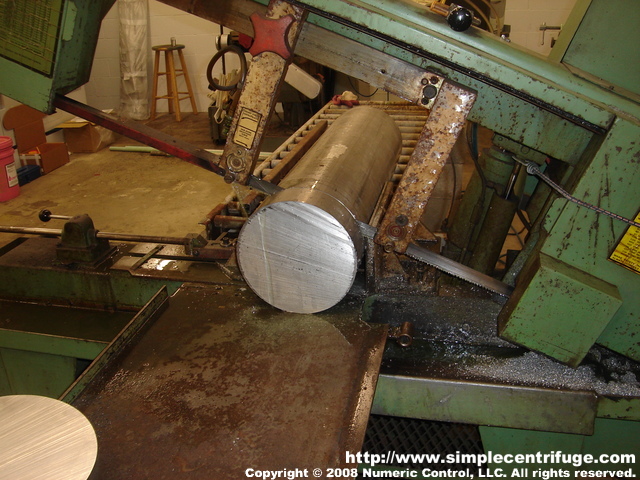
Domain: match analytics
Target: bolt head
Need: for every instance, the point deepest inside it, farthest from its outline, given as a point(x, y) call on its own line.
point(429, 93)
point(235, 163)
point(402, 220)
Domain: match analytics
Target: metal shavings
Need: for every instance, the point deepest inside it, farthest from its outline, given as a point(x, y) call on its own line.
point(533, 369)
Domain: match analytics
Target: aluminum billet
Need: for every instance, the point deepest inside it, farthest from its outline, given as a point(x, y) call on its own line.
point(300, 250)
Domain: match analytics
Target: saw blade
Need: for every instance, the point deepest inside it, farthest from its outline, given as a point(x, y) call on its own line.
point(418, 253)
point(447, 265)
point(263, 186)
point(458, 270)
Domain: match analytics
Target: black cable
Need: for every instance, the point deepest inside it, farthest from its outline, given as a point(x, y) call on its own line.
point(532, 169)
point(357, 92)
point(524, 220)
point(243, 69)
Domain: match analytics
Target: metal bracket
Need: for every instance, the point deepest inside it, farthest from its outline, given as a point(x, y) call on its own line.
point(261, 88)
point(431, 87)
point(451, 103)
point(270, 35)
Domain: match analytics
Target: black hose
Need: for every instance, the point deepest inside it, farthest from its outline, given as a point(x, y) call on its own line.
point(243, 68)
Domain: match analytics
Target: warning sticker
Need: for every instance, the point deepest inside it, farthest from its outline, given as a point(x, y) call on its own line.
point(12, 174)
point(247, 127)
point(627, 253)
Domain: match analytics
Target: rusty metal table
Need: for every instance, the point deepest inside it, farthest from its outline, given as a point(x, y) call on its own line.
point(221, 382)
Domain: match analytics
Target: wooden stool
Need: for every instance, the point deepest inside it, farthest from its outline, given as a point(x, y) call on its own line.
point(173, 95)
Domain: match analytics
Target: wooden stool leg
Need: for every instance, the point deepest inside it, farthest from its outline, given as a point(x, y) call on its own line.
point(170, 74)
point(183, 64)
point(154, 93)
point(171, 69)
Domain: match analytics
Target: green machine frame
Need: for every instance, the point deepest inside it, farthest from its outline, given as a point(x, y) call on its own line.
point(576, 107)
point(48, 47)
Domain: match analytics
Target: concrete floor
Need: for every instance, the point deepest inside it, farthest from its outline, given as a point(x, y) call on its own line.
point(123, 192)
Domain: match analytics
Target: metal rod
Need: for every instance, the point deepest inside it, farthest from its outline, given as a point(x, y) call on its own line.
point(125, 237)
point(228, 221)
point(31, 231)
point(144, 134)
point(122, 237)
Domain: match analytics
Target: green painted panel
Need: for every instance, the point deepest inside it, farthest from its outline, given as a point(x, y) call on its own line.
point(584, 239)
point(117, 289)
point(48, 48)
point(559, 310)
point(613, 26)
point(30, 32)
point(5, 387)
point(611, 440)
point(615, 436)
point(569, 29)
point(485, 404)
point(34, 342)
point(25, 86)
point(495, 109)
point(619, 408)
point(478, 52)
point(32, 373)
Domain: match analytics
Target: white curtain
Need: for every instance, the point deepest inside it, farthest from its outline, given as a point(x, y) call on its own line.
point(134, 58)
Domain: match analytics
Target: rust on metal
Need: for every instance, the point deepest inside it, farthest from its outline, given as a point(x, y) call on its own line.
point(228, 221)
point(259, 95)
point(222, 382)
point(446, 120)
point(143, 133)
point(271, 35)
point(287, 163)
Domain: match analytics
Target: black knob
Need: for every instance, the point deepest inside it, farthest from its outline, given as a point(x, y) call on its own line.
point(459, 18)
point(44, 215)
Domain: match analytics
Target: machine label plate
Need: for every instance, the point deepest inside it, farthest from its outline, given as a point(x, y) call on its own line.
point(247, 127)
point(627, 252)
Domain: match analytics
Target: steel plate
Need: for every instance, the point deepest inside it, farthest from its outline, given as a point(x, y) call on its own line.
point(222, 382)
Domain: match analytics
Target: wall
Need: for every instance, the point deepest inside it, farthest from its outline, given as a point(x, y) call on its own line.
point(103, 89)
point(198, 35)
point(526, 16)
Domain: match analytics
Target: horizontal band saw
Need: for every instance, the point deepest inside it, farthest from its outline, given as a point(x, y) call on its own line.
point(354, 278)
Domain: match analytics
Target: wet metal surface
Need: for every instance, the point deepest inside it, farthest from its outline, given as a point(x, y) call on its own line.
point(458, 370)
point(456, 339)
point(222, 382)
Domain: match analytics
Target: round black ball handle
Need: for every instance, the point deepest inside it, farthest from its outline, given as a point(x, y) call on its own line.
point(44, 215)
point(460, 19)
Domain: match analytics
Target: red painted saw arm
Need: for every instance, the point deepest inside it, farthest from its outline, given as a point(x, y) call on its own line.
point(143, 133)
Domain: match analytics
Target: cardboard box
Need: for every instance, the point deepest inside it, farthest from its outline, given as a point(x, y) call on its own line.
point(82, 136)
point(47, 156)
point(31, 139)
